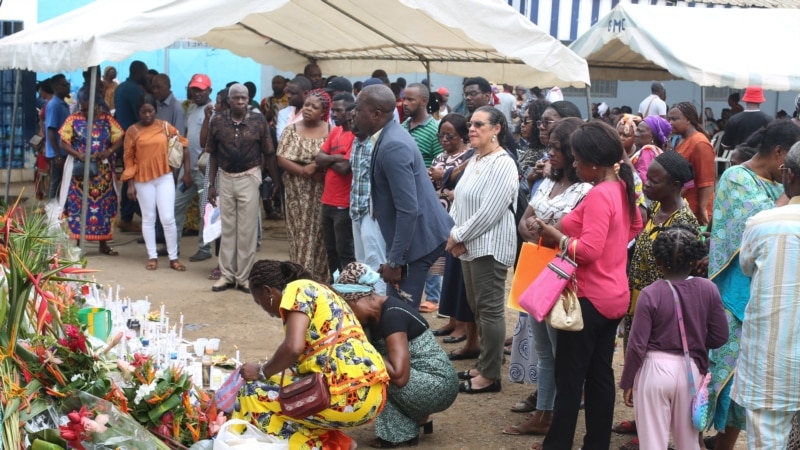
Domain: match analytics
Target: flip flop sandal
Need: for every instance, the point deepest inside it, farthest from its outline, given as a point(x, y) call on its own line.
point(625, 427)
point(633, 444)
point(152, 264)
point(215, 274)
point(109, 251)
point(176, 265)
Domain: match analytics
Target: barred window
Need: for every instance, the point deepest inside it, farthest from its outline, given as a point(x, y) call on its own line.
point(599, 89)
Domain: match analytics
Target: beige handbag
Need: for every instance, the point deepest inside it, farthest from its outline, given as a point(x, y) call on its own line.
point(174, 149)
point(566, 313)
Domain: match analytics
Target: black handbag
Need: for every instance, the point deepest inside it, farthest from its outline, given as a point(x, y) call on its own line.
point(78, 167)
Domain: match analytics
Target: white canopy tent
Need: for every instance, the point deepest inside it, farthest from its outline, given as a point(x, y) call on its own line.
point(644, 42)
point(345, 37)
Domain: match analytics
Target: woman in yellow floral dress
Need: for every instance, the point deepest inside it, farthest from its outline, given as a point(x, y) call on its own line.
point(356, 374)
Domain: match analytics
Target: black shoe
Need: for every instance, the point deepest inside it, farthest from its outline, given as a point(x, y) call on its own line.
point(222, 284)
point(442, 332)
point(199, 256)
point(140, 240)
point(244, 287)
point(453, 356)
point(466, 387)
point(454, 339)
point(162, 251)
point(464, 375)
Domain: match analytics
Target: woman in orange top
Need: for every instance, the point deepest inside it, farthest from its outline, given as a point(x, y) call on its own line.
point(153, 185)
point(696, 148)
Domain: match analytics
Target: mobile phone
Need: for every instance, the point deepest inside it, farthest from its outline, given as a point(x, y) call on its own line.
point(181, 187)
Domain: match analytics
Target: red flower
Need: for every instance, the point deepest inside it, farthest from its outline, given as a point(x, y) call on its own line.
point(166, 424)
point(74, 431)
point(75, 340)
point(139, 360)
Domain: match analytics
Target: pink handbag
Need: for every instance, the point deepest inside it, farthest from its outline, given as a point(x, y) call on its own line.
point(539, 298)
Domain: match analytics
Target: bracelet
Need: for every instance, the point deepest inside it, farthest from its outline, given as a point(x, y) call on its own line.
point(261, 376)
point(562, 244)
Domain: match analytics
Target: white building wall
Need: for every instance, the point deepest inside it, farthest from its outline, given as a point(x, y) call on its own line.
point(24, 10)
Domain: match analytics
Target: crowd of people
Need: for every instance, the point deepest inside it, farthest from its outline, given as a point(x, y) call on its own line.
point(397, 205)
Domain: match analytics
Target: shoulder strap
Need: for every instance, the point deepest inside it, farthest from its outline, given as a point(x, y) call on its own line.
point(647, 111)
point(330, 350)
point(409, 313)
point(683, 337)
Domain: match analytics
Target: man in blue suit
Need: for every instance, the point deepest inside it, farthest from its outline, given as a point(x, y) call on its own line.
point(412, 221)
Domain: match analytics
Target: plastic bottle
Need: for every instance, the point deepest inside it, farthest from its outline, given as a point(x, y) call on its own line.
point(206, 373)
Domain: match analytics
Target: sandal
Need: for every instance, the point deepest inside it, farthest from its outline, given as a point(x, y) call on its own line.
point(152, 264)
point(526, 405)
point(633, 444)
point(215, 274)
point(106, 250)
point(174, 264)
point(625, 427)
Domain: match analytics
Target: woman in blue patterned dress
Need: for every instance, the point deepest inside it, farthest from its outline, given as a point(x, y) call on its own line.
point(742, 192)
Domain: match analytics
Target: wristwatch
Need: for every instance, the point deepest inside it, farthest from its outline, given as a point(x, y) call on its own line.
point(393, 265)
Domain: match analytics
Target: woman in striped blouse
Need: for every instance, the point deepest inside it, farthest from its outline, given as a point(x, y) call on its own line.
point(484, 238)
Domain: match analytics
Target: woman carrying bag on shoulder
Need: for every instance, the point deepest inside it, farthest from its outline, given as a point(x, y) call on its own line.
point(146, 163)
point(597, 231)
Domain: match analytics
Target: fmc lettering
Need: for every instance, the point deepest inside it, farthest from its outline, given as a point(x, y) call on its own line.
point(616, 26)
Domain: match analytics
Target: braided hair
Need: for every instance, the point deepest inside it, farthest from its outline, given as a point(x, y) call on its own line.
point(690, 112)
point(325, 99)
point(277, 274)
point(678, 247)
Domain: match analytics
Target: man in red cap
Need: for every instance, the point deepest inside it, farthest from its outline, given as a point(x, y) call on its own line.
point(741, 126)
point(191, 177)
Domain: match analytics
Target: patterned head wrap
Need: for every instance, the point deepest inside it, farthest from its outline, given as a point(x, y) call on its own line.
point(355, 281)
point(628, 122)
point(325, 99)
point(660, 128)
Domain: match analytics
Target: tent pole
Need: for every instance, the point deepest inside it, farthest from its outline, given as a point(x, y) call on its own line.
point(588, 103)
point(427, 65)
point(17, 83)
point(703, 108)
point(87, 155)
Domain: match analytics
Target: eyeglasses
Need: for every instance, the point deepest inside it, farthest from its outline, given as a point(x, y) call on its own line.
point(472, 93)
point(476, 124)
point(526, 120)
point(446, 136)
point(545, 123)
point(783, 167)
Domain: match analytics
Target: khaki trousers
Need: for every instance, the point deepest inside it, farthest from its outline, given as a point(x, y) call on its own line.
point(239, 202)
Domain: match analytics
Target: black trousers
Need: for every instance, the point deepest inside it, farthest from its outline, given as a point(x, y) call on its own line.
point(337, 232)
point(583, 366)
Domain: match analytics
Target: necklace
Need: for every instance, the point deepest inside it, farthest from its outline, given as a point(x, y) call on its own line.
point(480, 158)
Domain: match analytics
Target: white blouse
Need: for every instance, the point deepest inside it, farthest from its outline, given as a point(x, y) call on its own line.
point(551, 210)
point(482, 208)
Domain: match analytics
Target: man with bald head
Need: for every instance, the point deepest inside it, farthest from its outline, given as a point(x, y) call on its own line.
point(412, 221)
point(239, 146)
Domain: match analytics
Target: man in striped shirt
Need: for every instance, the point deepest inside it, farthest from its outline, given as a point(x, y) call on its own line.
point(767, 382)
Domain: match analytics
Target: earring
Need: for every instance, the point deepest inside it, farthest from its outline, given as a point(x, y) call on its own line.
point(494, 138)
point(594, 167)
point(270, 300)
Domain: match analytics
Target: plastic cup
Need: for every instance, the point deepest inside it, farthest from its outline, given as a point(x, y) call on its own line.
point(213, 344)
point(200, 346)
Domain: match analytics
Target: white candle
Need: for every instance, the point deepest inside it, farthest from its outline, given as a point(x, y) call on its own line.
point(161, 317)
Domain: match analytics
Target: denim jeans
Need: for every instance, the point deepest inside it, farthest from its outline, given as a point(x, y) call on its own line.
point(433, 288)
point(369, 246)
point(337, 231)
point(544, 338)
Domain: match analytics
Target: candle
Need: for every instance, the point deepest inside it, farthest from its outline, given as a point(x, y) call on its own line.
point(161, 317)
point(238, 361)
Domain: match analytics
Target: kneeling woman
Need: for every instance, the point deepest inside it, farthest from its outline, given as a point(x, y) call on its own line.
point(422, 379)
point(313, 316)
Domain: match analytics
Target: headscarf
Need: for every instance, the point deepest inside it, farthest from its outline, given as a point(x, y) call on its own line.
point(660, 128)
point(602, 109)
point(356, 280)
point(676, 166)
point(628, 122)
point(325, 99)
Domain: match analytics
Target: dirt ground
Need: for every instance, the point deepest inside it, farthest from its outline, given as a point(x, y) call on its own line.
point(472, 422)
